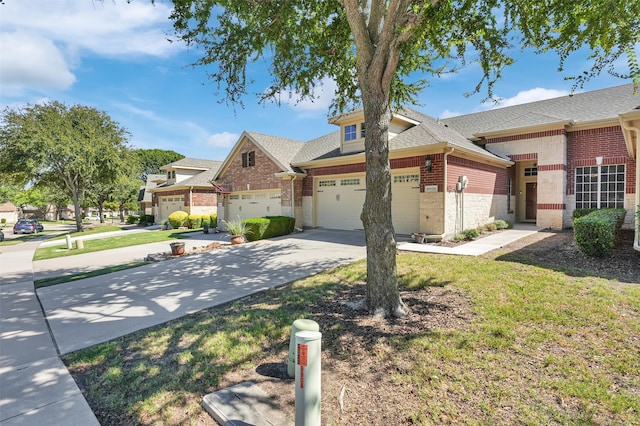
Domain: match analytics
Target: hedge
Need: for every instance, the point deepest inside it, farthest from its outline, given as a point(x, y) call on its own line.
point(595, 233)
point(269, 227)
point(178, 219)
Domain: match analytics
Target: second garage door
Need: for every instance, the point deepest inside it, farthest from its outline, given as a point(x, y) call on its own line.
point(340, 201)
point(253, 204)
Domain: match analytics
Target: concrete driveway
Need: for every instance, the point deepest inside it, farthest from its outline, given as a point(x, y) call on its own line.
point(95, 310)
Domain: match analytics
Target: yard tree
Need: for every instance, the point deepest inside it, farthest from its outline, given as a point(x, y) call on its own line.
point(152, 159)
point(73, 146)
point(381, 55)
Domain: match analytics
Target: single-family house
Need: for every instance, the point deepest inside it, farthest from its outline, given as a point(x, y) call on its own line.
point(534, 163)
point(187, 188)
point(144, 196)
point(8, 212)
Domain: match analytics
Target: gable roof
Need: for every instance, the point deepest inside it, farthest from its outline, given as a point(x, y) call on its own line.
point(280, 150)
point(579, 108)
point(192, 163)
point(8, 207)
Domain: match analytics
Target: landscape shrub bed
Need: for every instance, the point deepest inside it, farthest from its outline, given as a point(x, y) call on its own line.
point(268, 227)
point(595, 233)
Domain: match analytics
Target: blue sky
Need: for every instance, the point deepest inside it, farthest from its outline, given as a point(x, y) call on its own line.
point(115, 57)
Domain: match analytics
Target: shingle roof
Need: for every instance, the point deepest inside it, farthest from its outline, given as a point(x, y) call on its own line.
point(584, 107)
point(201, 179)
point(192, 163)
point(281, 149)
point(327, 146)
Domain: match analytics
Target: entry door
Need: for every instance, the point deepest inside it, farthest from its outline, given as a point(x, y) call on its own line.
point(531, 210)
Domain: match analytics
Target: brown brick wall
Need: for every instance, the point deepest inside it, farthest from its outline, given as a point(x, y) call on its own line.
point(608, 142)
point(483, 178)
point(202, 198)
point(260, 176)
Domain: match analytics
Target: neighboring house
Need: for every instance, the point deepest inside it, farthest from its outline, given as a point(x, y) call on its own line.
point(144, 196)
point(187, 188)
point(9, 212)
point(533, 163)
point(257, 179)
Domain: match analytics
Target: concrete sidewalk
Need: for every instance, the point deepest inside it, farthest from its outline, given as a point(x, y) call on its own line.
point(35, 386)
point(475, 247)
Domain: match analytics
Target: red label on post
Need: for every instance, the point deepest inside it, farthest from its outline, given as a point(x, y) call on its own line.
point(303, 353)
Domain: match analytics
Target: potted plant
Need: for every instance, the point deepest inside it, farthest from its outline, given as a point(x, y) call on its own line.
point(177, 248)
point(236, 229)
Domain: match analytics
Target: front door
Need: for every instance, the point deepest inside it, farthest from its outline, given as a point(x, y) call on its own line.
point(531, 209)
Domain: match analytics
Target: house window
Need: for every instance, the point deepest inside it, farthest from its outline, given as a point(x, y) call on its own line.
point(406, 178)
point(234, 197)
point(249, 159)
point(531, 171)
point(362, 130)
point(600, 187)
point(509, 189)
point(349, 182)
point(327, 183)
point(350, 132)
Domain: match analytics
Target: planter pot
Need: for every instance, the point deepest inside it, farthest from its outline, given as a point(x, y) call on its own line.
point(177, 249)
point(237, 239)
point(419, 237)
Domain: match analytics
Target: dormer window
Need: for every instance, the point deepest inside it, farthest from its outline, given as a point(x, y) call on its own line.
point(350, 132)
point(249, 159)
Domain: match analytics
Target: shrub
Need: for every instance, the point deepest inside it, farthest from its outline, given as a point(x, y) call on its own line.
point(206, 221)
point(582, 212)
point(131, 219)
point(595, 233)
point(470, 234)
point(214, 220)
point(489, 227)
point(146, 219)
point(178, 219)
point(3, 221)
point(501, 224)
point(269, 227)
point(195, 221)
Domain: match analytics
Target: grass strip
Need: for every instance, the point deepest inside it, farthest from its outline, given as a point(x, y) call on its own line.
point(46, 282)
point(541, 347)
point(108, 243)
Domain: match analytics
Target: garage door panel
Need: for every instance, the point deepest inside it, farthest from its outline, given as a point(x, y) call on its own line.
point(405, 210)
point(340, 202)
point(250, 205)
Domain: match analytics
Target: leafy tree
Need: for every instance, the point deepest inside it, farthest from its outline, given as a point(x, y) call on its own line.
point(72, 146)
point(152, 159)
point(379, 52)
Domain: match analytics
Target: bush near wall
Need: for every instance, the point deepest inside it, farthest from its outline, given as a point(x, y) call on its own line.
point(178, 219)
point(269, 227)
point(582, 212)
point(146, 219)
point(213, 223)
point(595, 233)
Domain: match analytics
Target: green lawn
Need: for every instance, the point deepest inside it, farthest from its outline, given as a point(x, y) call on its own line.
point(537, 346)
point(107, 243)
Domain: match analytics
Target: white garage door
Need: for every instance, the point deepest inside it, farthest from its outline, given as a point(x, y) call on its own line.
point(405, 210)
point(168, 205)
point(339, 202)
point(253, 204)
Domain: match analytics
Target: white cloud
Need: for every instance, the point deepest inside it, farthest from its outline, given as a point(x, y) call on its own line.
point(323, 92)
point(35, 63)
point(222, 140)
point(447, 113)
point(42, 41)
point(531, 95)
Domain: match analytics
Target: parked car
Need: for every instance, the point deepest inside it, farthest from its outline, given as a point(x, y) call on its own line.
point(1, 235)
point(27, 226)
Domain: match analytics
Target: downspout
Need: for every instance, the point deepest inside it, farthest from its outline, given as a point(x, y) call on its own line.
point(293, 195)
point(444, 191)
point(190, 200)
point(636, 241)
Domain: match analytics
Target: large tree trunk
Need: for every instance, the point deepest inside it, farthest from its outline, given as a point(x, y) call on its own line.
point(77, 210)
point(382, 296)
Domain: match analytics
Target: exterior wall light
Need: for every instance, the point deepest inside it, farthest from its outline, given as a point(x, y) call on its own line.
point(428, 164)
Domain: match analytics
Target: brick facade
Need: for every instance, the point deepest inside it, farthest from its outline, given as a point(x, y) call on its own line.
point(257, 177)
point(483, 178)
point(585, 145)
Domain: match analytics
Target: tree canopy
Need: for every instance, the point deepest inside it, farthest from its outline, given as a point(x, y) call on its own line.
point(150, 160)
point(382, 53)
point(69, 147)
